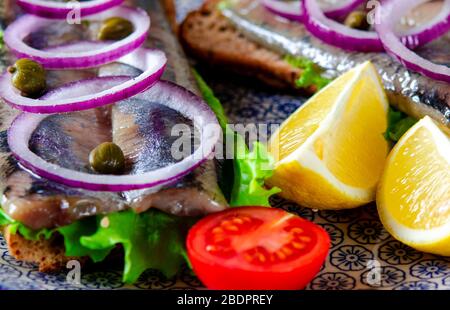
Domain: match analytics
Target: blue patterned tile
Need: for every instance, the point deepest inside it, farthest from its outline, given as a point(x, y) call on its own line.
point(2, 243)
point(396, 253)
point(446, 281)
point(9, 273)
point(333, 281)
point(367, 232)
point(50, 279)
point(417, 286)
point(187, 277)
point(389, 276)
point(292, 207)
point(430, 269)
point(336, 234)
point(350, 257)
point(12, 261)
point(341, 216)
point(153, 279)
point(102, 280)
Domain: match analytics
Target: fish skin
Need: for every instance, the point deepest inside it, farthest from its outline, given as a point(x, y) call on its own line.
point(41, 203)
point(409, 91)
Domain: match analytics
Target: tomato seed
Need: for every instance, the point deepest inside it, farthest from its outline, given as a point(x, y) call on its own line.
point(296, 230)
point(238, 221)
point(232, 228)
point(286, 250)
point(280, 255)
point(217, 230)
point(298, 245)
point(305, 238)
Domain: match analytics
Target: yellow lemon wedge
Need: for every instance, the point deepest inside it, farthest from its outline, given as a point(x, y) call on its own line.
point(413, 197)
point(331, 152)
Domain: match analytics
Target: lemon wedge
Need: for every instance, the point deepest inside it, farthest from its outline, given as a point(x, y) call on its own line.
point(331, 152)
point(413, 198)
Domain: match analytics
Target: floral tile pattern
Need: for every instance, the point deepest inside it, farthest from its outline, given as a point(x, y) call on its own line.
point(362, 255)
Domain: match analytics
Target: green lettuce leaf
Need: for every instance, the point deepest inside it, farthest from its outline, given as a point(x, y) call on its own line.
point(72, 235)
point(15, 226)
point(150, 240)
point(4, 218)
point(211, 100)
point(29, 233)
point(251, 168)
point(398, 124)
point(2, 44)
point(311, 75)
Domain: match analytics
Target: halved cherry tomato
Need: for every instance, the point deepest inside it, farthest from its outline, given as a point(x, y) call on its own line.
point(256, 248)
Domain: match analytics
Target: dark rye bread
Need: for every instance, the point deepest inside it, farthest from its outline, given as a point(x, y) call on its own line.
point(211, 38)
point(48, 254)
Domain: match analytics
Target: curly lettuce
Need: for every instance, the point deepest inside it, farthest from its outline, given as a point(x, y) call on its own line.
point(311, 75)
point(251, 168)
point(398, 124)
point(152, 239)
point(2, 43)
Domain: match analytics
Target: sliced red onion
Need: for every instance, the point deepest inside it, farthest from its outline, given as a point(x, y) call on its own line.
point(61, 10)
point(151, 62)
point(22, 27)
point(293, 9)
point(165, 93)
point(342, 8)
point(337, 34)
point(427, 32)
point(395, 46)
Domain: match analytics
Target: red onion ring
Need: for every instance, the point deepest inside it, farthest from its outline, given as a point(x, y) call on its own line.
point(337, 34)
point(58, 10)
point(395, 46)
point(429, 31)
point(165, 93)
point(151, 62)
point(19, 29)
point(293, 9)
point(341, 36)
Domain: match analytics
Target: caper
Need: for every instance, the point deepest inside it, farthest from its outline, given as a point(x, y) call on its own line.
point(115, 28)
point(357, 20)
point(107, 158)
point(28, 76)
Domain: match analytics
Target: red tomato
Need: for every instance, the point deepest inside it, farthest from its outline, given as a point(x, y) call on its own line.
point(256, 248)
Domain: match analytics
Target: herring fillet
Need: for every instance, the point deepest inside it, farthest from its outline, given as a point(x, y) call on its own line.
point(409, 91)
point(40, 203)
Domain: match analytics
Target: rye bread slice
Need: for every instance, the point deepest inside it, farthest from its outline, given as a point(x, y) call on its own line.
point(210, 37)
point(47, 254)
